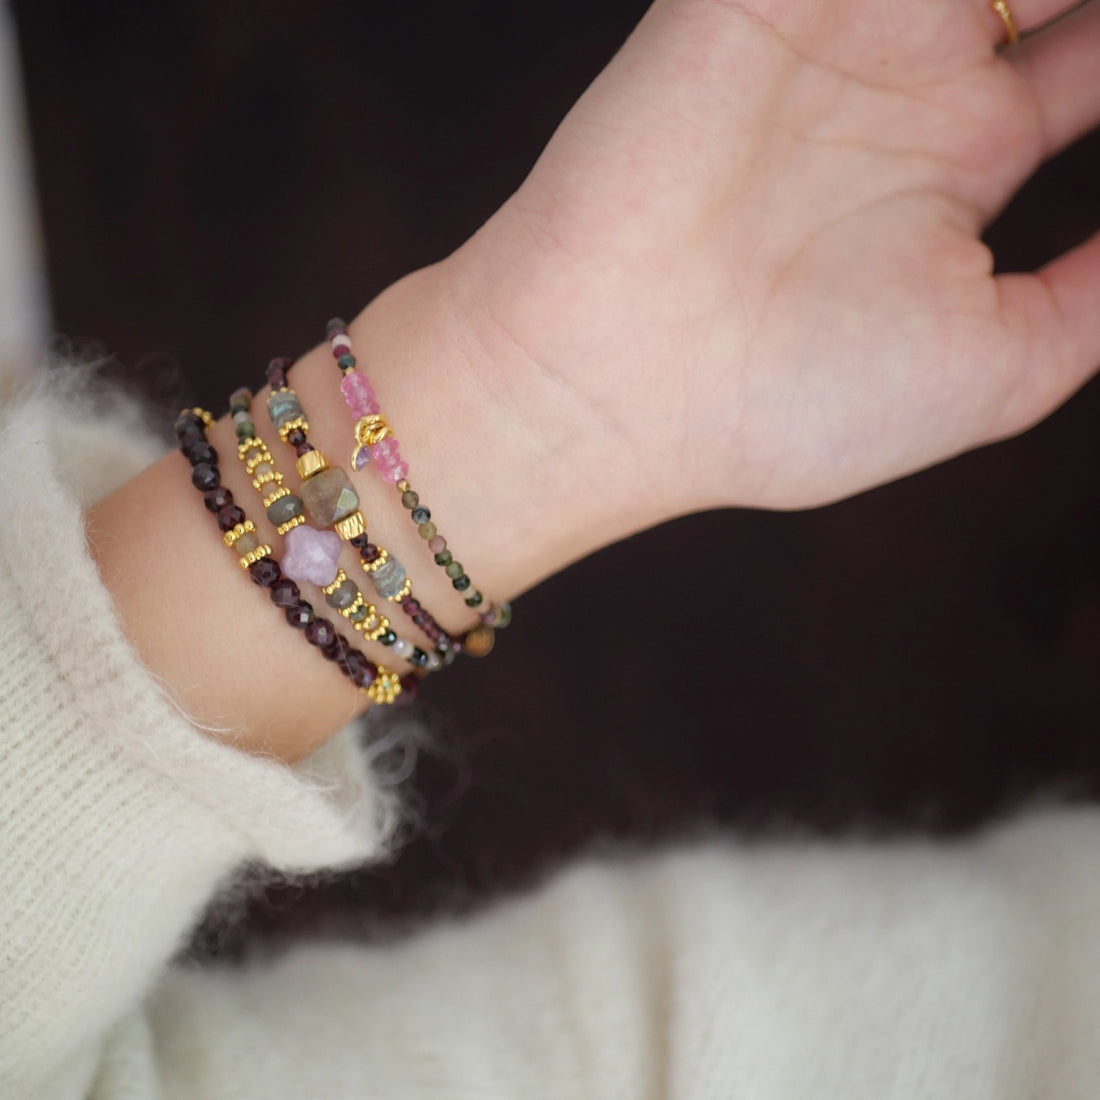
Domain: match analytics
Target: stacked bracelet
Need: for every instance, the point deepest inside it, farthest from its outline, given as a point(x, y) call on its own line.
point(377, 446)
point(332, 501)
point(312, 555)
point(379, 683)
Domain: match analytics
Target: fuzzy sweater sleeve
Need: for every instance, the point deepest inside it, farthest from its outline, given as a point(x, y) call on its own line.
point(118, 820)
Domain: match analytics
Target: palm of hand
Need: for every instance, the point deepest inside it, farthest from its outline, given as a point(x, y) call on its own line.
point(752, 248)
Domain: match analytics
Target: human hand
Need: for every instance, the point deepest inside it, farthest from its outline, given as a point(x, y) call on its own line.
point(751, 251)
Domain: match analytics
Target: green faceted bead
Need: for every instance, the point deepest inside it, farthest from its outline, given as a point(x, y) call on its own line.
point(387, 638)
point(444, 557)
point(246, 430)
point(453, 569)
point(475, 599)
point(409, 499)
point(426, 531)
point(461, 583)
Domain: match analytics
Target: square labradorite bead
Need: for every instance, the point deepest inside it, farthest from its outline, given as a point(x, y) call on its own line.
point(329, 496)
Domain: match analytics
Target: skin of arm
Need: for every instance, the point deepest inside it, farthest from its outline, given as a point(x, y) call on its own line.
point(746, 271)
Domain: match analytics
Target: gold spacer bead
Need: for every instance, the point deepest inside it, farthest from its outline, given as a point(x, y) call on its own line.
point(294, 521)
point(379, 630)
point(258, 460)
point(241, 529)
point(351, 527)
point(261, 480)
point(385, 687)
point(403, 485)
point(202, 414)
point(278, 493)
point(355, 604)
point(254, 556)
point(406, 588)
point(290, 425)
point(247, 445)
point(374, 566)
point(341, 576)
point(370, 624)
point(311, 463)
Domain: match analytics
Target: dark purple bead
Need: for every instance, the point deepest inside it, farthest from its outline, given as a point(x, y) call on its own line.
point(341, 649)
point(265, 572)
point(204, 476)
point(230, 516)
point(200, 451)
point(296, 437)
point(322, 634)
point(369, 552)
point(276, 373)
point(216, 499)
point(410, 605)
point(285, 593)
point(188, 427)
point(300, 615)
point(302, 448)
point(360, 541)
point(361, 671)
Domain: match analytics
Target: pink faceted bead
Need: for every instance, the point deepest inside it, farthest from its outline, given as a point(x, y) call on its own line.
point(396, 473)
point(311, 555)
point(359, 394)
point(437, 544)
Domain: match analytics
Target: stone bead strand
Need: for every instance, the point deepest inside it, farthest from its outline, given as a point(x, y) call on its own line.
point(377, 446)
point(313, 556)
point(380, 684)
point(331, 501)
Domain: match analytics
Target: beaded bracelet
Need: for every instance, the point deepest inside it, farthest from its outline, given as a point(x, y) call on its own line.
point(312, 555)
point(376, 445)
point(380, 684)
point(332, 501)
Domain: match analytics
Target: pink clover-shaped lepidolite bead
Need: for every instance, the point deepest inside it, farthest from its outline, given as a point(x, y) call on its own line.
point(311, 555)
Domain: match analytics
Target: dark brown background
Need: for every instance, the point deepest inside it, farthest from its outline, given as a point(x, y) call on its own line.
point(218, 179)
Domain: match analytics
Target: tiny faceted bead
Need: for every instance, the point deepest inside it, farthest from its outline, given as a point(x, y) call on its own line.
point(300, 615)
point(240, 401)
point(264, 572)
point(346, 362)
point(369, 553)
point(453, 569)
point(296, 437)
point(359, 394)
point(321, 633)
point(421, 515)
point(340, 343)
point(410, 499)
point(437, 544)
point(461, 583)
point(204, 476)
point(475, 599)
point(200, 451)
point(426, 531)
point(336, 326)
point(230, 516)
point(360, 541)
point(443, 558)
point(246, 430)
point(418, 658)
point(303, 448)
point(285, 593)
point(386, 638)
point(276, 373)
point(216, 499)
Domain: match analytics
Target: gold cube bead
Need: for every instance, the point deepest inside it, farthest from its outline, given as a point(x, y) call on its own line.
point(241, 529)
point(351, 527)
point(312, 462)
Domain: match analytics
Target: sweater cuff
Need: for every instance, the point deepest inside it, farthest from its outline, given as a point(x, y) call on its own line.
point(119, 818)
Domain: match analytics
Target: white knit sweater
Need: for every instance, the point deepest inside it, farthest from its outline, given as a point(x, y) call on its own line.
point(787, 970)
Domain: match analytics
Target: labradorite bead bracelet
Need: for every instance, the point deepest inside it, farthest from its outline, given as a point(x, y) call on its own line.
point(311, 555)
point(380, 684)
point(330, 500)
point(377, 447)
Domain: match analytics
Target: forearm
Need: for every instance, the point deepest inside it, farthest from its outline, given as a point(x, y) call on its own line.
point(520, 478)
